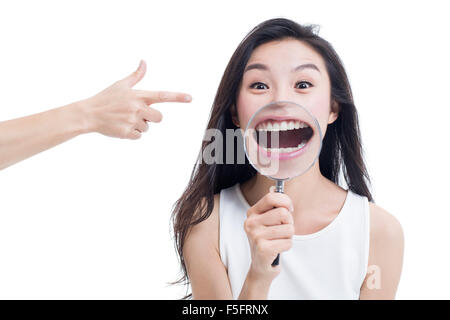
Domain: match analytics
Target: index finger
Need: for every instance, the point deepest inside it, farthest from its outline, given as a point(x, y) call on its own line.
point(163, 96)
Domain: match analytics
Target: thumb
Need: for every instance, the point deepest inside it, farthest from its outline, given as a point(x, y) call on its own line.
point(137, 75)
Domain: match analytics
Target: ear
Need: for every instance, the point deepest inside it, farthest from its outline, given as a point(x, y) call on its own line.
point(234, 116)
point(334, 112)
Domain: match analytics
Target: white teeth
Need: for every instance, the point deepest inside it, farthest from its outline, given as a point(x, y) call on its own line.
point(275, 126)
point(286, 150)
point(281, 126)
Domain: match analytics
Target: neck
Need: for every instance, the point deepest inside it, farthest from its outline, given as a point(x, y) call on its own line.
point(306, 191)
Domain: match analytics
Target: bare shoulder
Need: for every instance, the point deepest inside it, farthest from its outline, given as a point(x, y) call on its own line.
point(384, 227)
point(206, 232)
point(385, 255)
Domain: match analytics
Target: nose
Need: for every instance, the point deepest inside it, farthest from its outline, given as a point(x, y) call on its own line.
point(284, 94)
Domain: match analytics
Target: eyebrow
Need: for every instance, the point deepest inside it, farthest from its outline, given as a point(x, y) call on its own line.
point(261, 66)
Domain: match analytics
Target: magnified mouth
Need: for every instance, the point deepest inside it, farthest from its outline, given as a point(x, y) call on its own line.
point(283, 136)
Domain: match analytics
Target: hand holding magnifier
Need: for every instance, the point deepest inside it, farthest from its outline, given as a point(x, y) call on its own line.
point(282, 140)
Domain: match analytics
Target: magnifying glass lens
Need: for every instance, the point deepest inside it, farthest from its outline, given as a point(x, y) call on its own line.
point(282, 140)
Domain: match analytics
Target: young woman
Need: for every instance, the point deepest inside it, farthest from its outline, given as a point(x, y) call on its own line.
point(229, 226)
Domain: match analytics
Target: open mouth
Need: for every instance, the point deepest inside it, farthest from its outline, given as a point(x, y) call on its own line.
point(287, 136)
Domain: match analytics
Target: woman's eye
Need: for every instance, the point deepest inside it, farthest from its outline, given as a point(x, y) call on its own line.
point(257, 85)
point(299, 85)
point(304, 84)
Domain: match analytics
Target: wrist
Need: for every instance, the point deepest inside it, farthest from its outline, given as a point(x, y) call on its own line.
point(255, 286)
point(80, 115)
point(259, 280)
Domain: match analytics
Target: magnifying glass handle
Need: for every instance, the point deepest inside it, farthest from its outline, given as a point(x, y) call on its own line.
point(278, 188)
point(276, 261)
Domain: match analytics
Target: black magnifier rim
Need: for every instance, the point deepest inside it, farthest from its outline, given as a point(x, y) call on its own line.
point(281, 102)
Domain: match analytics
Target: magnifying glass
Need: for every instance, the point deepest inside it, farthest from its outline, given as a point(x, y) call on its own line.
point(282, 140)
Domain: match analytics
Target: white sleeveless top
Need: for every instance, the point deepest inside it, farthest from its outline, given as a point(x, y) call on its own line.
point(328, 264)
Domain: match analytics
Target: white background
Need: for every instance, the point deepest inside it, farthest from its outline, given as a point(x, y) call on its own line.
point(89, 219)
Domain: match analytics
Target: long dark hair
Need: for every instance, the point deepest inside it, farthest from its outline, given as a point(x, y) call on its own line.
point(341, 146)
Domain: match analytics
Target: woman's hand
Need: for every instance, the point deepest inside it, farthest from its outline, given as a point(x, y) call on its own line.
point(269, 227)
point(122, 112)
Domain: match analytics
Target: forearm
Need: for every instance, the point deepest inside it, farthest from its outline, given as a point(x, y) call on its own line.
point(254, 288)
point(24, 137)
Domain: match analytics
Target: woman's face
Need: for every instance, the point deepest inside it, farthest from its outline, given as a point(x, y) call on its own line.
point(270, 75)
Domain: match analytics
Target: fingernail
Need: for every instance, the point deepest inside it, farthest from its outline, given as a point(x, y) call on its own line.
point(187, 98)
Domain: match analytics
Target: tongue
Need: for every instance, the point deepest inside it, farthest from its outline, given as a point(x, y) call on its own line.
point(287, 139)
